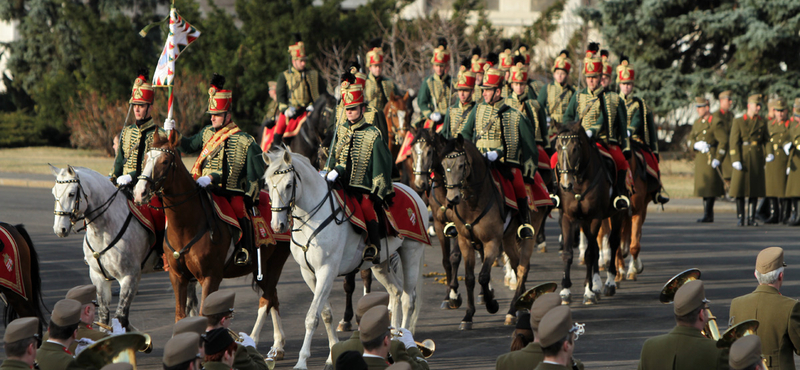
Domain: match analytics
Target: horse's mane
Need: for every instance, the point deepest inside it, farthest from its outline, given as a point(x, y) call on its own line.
point(423, 133)
point(473, 154)
point(275, 155)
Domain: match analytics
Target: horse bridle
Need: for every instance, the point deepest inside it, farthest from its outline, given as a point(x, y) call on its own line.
point(564, 156)
point(419, 153)
point(75, 217)
point(288, 206)
point(460, 185)
point(398, 139)
point(157, 186)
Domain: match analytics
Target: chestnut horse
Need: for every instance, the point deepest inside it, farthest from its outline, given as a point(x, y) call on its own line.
point(17, 305)
point(198, 244)
point(398, 113)
point(645, 189)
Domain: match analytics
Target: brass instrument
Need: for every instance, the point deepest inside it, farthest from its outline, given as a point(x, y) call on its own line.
point(667, 295)
point(236, 337)
point(148, 345)
point(114, 349)
point(742, 329)
point(103, 326)
point(525, 300)
point(427, 346)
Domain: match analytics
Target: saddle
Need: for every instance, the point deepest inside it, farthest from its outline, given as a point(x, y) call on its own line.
point(403, 216)
point(11, 269)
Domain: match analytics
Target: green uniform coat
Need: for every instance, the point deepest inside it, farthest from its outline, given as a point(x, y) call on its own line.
point(379, 91)
point(216, 365)
point(53, 356)
point(298, 89)
point(271, 111)
point(602, 112)
point(84, 331)
point(134, 141)
point(793, 180)
point(707, 183)
point(9, 364)
point(683, 348)
point(456, 118)
point(555, 98)
point(748, 138)
point(775, 171)
point(524, 359)
point(778, 324)
point(640, 123)
point(534, 113)
point(544, 366)
point(396, 349)
point(434, 95)
point(725, 119)
point(247, 358)
point(374, 363)
point(532, 89)
point(362, 159)
point(371, 115)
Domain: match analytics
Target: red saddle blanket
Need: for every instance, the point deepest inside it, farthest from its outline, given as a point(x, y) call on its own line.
point(262, 231)
point(650, 161)
point(152, 219)
point(293, 127)
point(544, 159)
point(403, 215)
point(405, 149)
point(538, 196)
point(11, 271)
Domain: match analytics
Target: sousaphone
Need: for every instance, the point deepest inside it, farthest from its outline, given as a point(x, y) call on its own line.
point(711, 329)
point(114, 349)
point(525, 300)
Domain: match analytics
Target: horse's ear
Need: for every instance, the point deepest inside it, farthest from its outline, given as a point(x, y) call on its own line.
point(174, 140)
point(287, 157)
point(70, 170)
point(265, 156)
point(407, 95)
point(56, 170)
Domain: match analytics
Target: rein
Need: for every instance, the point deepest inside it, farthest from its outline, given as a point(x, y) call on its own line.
point(577, 171)
point(74, 217)
point(469, 225)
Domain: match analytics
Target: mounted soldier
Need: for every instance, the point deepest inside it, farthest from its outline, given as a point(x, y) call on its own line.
point(271, 114)
point(229, 163)
point(477, 64)
point(532, 87)
point(506, 59)
point(378, 89)
point(555, 96)
point(506, 138)
point(521, 100)
point(608, 71)
point(436, 89)
point(458, 112)
point(372, 115)
point(602, 114)
point(363, 161)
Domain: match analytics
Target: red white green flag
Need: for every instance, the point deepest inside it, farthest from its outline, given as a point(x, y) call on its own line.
point(181, 34)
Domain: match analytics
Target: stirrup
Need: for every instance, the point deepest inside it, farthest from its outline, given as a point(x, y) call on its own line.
point(246, 260)
point(525, 227)
point(623, 198)
point(556, 200)
point(364, 254)
point(450, 230)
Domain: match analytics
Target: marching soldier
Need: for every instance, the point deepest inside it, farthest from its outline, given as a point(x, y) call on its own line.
point(435, 90)
point(641, 128)
point(218, 309)
point(778, 315)
point(724, 117)
point(20, 341)
point(748, 137)
point(379, 90)
point(775, 170)
point(558, 335)
point(555, 96)
point(746, 354)
point(685, 347)
point(182, 352)
point(478, 62)
point(511, 140)
point(506, 58)
point(229, 163)
point(298, 88)
point(54, 353)
point(602, 113)
point(706, 135)
point(458, 113)
point(608, 71)
point(271, 115)
point(792, 150)
point(363, 160)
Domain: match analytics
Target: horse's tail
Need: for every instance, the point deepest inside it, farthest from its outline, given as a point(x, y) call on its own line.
point(36, 299)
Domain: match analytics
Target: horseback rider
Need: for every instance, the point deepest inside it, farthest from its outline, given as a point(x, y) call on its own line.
point(608, 71)
point(532, 86)
point(373, 115)
point(521, 100)
point(229, 164)
point(641, 127)
point(602, 114)
point(555, 96)
point(378, 89)
point(134, 141)
point(477, 68)
point(506, 59)
point(509, 141)
point(436, 89)
point(298, 88)
point(363, 161)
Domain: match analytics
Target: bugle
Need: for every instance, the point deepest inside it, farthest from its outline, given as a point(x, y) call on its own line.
point(667, 295)
point(427, 346)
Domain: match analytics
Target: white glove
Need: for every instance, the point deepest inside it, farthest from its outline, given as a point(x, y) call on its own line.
point(787, 147)
point(589, 133)
point(116, 327)
point(491, 156)
point(701, 146)
point(788, 169)
point(332, 176)
point(407, 339)
point(770, 157)
point(124, 179)
point(629, 133)
point(737, 165)
point(310, 108)
point(323, 173)
point(204, 181)
point(246, 340)
point(714, 163)
point(169, 124)
point(82, 344)
point(290, 112)
point(436, 116)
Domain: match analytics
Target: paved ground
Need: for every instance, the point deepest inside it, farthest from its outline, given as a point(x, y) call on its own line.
point(615, 328)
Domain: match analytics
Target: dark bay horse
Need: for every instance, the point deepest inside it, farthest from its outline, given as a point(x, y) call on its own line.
point(199, 245)
point(479, 212)
point(17, 305)
point(584, 188)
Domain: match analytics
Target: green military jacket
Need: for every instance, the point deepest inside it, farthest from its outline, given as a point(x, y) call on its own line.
point(397, 351)
point(298, 89)
point(775, 171)
point(683, 348)
point(456, 118)
point(9, 364)
point(84, 331)
point(378, 91)
point(725, 120)
point(640, 122)
point(271, 111)
point(555, 98)
point(373, 117)
point(793, 180)
point(533, 88)
point(477, 93)
point(247, 358)
point(534, 113)
point(235, 167)
point(707, 182)
point(362, 159)
point(498, 127)
point(524, 359)
point(434, 95)
point(134, 141)
point(748, 138)
point(54, 356)
point(374, 363)
point(778, 324)
point(547, 366)
point(602, 112)
point(216, 365)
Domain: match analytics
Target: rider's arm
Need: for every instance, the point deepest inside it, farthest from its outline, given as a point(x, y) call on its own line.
point(542, 119)
point(571, 114)
point(424, 100)
point(191, 144)
point(119, 161)
point(542, 99)
point(468, 130)
point(282, 92)
point(623, 140)
point(446, 128)
point(255, 170)
point(380, 123)
point(381, 170)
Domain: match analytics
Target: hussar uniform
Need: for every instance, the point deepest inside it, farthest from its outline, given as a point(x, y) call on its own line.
point(506, 59)
point(608, 70)
point(477, 64)
point(793, 164)
point(435, 91)
point(555, 97)
point(378, 90)
point(775, 170)
point(372, 115)
point(528, 106)
point(725, 121)
point(458, 112)
point(533, 87)
point(749, 136)
point(271, 114)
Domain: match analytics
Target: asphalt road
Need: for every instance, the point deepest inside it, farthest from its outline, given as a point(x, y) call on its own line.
point(615, 328)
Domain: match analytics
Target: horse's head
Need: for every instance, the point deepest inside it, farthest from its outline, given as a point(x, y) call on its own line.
point(398, 115)
point(281, 180)
point(71, 202)
point(457, 169)
point(424, 148)
point(572, 146)
point(158, 168)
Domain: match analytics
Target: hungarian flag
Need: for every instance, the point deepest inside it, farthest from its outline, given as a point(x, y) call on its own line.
point(181, 34)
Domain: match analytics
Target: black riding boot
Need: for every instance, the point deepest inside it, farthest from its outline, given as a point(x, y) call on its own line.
point(708, 210)
point(740, 211)
point(660, 198)
point(277, 139)
point(786, 210)
point(774, 211)
point(525, 230)
point(794, 220)
point(246, 244)
point(752, 204)
point(159, 266)
point(763, 210)
point(373, 247)
point(622, 200)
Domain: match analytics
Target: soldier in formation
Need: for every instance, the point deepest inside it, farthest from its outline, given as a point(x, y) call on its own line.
point(555, 96)
point(436, 90)
point(792, 150)
point(775, 169)
point(749, 136)
point(705, 138)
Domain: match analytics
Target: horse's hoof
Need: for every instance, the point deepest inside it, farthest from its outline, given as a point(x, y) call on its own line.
point(542, 248)
point(275, 354)
point(632, 276)
point(639, 265)
point(590, 300)
point(492, 306)
point(456, 303)
point(445, 305)
point(507, 281)
point(566, 296)
point(465, 325)
point(344, 326)
point(619, 277)
point(480, 299)
point(510, 320)
point(609, 290)
point(602, 267)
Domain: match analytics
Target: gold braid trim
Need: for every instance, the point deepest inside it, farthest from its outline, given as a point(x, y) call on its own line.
point(490, 139)
point(361, 155)
point(590, 117)
point(510, 132)
point(612, 103)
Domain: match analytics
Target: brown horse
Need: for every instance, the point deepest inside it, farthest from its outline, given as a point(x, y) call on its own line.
point(398, 117)
point(198, 244)
point(479, 211)
point(17, 305)
point(584, 185)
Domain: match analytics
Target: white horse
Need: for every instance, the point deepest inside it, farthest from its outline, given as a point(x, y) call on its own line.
point(326, 247)
point(83, 195)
